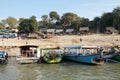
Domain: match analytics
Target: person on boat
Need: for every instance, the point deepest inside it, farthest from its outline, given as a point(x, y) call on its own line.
point(6, 56)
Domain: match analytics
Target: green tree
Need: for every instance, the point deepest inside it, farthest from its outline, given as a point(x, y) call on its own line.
point(12, 22)
point(1, 26)
point(34, 23)
point(28, 25)
point(116, 20)
point(84, 22)
point(106, 20)
point(95, 24)
point(70, 20)
point(54, 15)
point(45, 21)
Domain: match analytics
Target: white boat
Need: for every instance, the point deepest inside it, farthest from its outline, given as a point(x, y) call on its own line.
point(28, 54)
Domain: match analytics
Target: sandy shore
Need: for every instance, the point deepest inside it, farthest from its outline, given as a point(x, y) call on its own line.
point(67, 40)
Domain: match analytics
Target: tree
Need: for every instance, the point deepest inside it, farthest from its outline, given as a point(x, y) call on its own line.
point(84, 22)
point(54, 15)
point(1, 26)
point(95, 24)
point(34, 23)
point(116, 20)
point(28, 25)
point(69, 19)
point(11, 22)
point(106, 20)
point(45, 18)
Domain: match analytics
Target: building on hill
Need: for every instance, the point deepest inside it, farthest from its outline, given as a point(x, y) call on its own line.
point(43, 30)
point(59, 31)
point(111, 30)
point(84, 30)
point(50, 31)
point(69, 31)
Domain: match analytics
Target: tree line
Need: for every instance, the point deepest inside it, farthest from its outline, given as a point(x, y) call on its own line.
point(67, 20)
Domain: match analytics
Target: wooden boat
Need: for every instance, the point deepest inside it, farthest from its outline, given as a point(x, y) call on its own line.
point(112, 54)
point(3, 56)
point(83, 54)
point(116, 58)
point(28, 54)
point(52, 55)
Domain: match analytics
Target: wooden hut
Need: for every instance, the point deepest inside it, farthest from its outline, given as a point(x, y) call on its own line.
point(59, 31)
point(111, 30)
point(50, 31)
point(69, 31)
point(33, 35)
point(43, 30)
point(84, 30)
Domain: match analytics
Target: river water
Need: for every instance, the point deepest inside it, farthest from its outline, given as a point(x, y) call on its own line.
point(65, 70)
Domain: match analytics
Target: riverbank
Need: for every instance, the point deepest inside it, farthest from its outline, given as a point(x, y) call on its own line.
point(11, 45)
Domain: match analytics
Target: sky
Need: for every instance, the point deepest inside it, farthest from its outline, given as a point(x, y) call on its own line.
point(83, 8)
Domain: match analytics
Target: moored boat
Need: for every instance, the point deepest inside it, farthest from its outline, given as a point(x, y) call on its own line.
point(52, 55)
point(113, 53)
point(3, 56)
point(83, 54)
point(28, 54)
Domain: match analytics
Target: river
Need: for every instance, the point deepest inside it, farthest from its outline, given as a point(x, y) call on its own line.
point(65, 70)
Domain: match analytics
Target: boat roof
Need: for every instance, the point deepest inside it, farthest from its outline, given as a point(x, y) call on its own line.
point(84, 47)
point(48, 48)
point(28, 46)
point(90, 47)
point(72, 47)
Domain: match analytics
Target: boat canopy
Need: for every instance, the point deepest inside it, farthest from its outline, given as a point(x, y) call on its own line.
point(72, 47)
point(23, 46)
point(90, 47)
point(50, 48)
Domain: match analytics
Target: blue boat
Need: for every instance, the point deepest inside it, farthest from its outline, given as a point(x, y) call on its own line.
point(3, 56)
point(83, 54)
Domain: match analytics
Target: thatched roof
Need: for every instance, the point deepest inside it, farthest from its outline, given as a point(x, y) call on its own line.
point(43, 30)
point(84, 29)
point(69, 30)
point(58, 30)
point(33, 35)
point(111, 29)
point(50, 30)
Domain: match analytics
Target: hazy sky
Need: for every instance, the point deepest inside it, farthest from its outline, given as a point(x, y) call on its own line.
point(83, 8)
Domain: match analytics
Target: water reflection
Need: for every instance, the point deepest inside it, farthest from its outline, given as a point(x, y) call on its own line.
point(62, 71)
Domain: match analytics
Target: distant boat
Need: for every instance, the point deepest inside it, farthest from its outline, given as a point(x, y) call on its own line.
point(52, 55)
point(3, 56)
point(83, 54)
point(28, 54)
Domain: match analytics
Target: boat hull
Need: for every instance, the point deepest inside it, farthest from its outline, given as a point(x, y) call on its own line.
point(114, 56)
point(117, 58)
point(89, 59)
point(55, 60)
point(27, 60)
